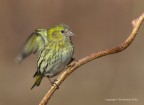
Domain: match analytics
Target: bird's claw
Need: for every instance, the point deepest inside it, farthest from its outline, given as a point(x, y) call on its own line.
point(54, 84)
point(72, 62)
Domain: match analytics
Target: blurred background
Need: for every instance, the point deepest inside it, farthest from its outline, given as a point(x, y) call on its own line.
point(98, 24)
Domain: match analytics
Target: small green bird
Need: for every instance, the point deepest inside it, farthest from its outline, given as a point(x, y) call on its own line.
point(55, 50)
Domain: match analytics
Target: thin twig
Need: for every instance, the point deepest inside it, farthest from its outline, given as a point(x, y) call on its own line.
point(77, 63)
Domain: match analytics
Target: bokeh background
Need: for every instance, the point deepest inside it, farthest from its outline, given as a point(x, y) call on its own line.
point(98, 24)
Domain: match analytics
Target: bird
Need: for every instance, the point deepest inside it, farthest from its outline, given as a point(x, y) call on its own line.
point(55, 50)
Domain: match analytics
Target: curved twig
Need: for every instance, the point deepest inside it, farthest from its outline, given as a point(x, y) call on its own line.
point(77, 63)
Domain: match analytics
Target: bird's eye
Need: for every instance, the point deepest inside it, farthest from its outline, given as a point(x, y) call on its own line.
point(62, 31)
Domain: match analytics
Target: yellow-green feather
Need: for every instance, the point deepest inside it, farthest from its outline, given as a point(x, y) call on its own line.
point(55, 33)
point(38, 81)
point(33, 44)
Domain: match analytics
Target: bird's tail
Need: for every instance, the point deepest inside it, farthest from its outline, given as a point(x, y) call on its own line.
point(38, 81)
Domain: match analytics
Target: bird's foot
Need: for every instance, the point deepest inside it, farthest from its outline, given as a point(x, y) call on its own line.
point(53, 83)
point(72, 62)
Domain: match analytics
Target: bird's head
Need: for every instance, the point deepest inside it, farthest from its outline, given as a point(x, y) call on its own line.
point(59, 32)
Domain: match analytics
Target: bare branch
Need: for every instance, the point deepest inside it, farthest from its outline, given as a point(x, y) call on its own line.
point(77, 63)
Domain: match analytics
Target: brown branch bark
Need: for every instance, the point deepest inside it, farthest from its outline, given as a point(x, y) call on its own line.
point(77, 63)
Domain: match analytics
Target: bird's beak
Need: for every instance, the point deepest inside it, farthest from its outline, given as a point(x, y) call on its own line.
point(70, 33)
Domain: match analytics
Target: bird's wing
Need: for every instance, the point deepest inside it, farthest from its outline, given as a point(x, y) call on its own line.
point(33, 44)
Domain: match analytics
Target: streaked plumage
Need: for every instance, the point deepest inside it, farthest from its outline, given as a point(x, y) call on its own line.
point(55, 51)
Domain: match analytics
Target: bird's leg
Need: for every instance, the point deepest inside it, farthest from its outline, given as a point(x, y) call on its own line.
point(53, 82)
point(72, 64)
point(73, 59)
